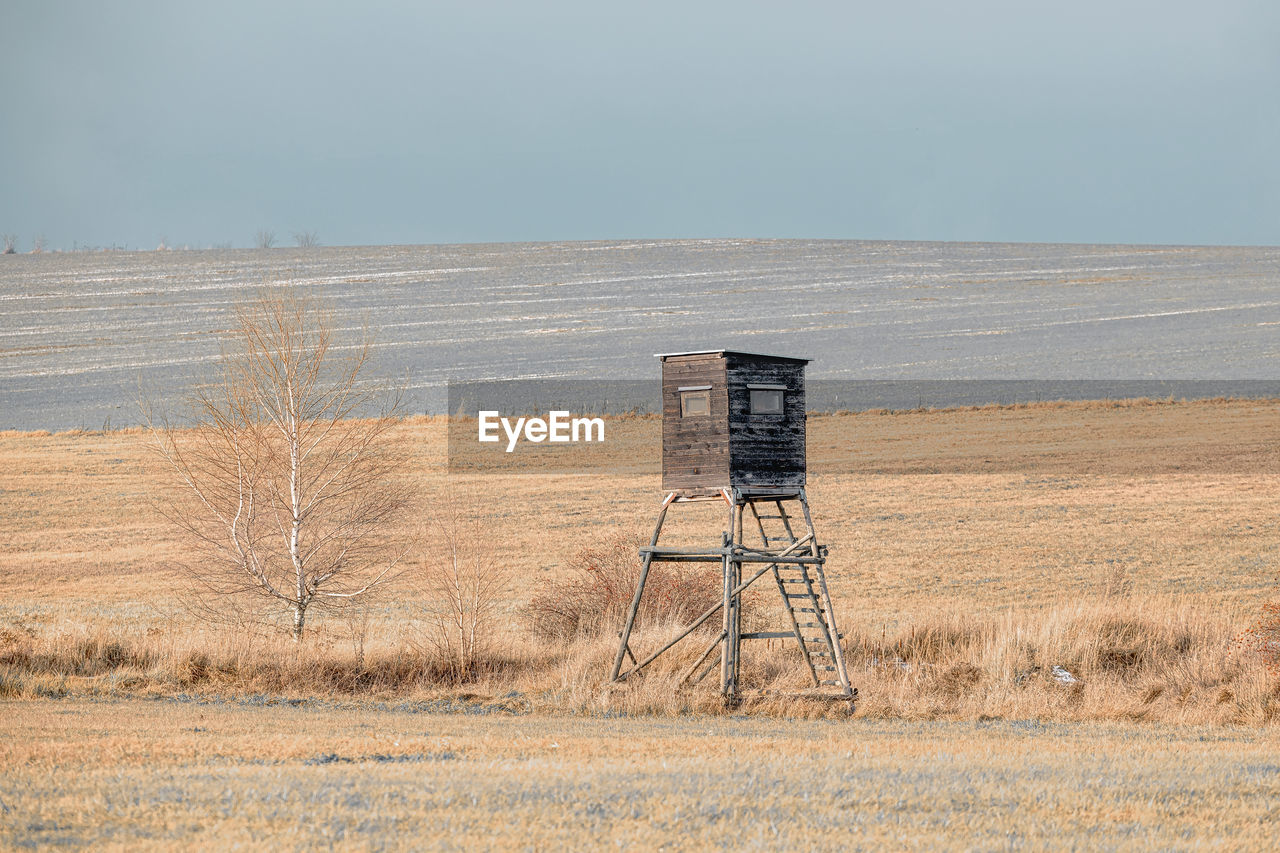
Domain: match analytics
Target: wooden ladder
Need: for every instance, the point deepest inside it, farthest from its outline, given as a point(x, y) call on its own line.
point(803, 588)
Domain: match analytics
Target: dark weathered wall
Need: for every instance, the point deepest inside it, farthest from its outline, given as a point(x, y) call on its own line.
point(695, 451)
point(766, 450)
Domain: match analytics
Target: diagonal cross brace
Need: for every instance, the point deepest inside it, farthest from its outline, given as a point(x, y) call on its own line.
point(711, 611)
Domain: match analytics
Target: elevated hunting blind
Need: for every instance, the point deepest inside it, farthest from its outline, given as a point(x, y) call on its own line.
point(733, 429)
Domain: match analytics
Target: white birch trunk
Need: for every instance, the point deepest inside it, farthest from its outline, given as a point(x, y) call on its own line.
point(295, 529)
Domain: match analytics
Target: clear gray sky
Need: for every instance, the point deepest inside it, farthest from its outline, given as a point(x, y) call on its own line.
point(420, 122)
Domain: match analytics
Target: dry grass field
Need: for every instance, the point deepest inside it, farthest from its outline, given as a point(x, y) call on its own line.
point(134, 774)
point(973, 551)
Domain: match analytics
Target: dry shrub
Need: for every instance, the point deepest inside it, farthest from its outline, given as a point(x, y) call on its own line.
point(595, 597)
point(465, 580)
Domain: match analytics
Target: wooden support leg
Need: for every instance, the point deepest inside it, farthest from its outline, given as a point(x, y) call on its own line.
point(734, 640)
point(623, 648)
point(726, 663)
point(732, 606)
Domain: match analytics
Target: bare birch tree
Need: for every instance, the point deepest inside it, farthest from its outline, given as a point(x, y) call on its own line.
point(285, 486)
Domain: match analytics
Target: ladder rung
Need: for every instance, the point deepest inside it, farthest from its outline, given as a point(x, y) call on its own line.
point(826, 668)
point(806, 596)
point(771, 516)
point(808, 610)
point(830, 683)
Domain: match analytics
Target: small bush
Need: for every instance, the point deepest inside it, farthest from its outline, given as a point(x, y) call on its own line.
point(465, 580)
point(594, 598)
point(957, 680)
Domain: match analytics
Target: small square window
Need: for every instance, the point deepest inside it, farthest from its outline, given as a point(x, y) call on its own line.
point(695, 403)
point(766, 401)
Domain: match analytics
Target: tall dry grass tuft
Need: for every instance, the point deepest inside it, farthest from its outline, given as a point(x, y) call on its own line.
point(1095, 661)
point(1262, 639)
point(1148, 659)
point(186, 660)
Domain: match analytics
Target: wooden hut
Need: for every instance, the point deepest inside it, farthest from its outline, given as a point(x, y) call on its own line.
point(732, 419)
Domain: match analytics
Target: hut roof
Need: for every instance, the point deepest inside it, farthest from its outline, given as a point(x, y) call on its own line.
point(666, 355)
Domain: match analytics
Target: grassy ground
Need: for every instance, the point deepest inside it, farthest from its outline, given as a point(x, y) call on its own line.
point(972, 552)
point(1004, 507)
point(1129, 542)
point(186, 773)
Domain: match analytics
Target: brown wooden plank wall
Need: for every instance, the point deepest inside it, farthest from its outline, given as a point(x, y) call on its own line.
point(695, 451)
